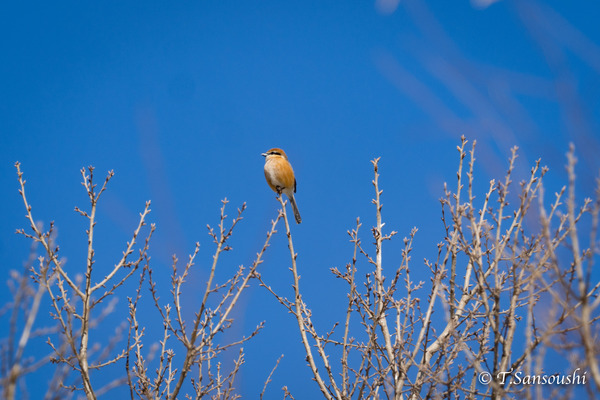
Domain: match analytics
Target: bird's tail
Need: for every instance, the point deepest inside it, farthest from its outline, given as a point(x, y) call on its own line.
point(295, 208)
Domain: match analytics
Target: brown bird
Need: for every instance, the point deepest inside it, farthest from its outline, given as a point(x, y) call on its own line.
point(280, 176)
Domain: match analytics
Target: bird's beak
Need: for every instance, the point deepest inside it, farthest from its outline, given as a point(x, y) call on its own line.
point(264, 154)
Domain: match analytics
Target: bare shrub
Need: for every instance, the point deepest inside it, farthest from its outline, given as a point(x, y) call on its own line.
point(504, 299)
point(74, 300)
point(513, 288)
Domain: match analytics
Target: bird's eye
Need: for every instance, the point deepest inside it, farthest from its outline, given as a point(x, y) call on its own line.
point(275, 153)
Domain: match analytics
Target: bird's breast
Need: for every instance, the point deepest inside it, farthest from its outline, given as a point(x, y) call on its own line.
point(279, 173)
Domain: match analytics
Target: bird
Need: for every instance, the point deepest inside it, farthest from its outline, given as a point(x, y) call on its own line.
point(280, 177)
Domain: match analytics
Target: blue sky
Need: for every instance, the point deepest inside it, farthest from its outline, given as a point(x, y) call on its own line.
point(181, 98)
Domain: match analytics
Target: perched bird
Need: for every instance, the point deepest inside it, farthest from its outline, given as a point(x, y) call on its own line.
point(280, 176)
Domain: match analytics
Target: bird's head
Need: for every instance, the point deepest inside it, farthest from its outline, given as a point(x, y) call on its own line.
point(274, 152)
